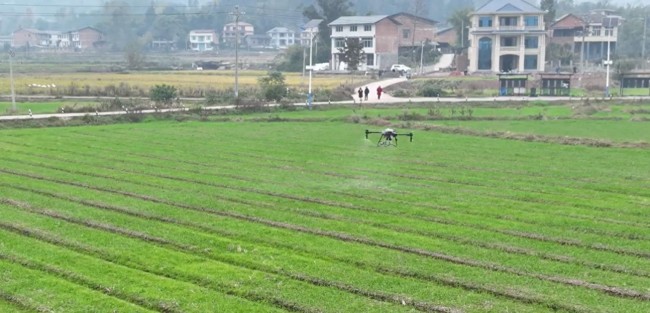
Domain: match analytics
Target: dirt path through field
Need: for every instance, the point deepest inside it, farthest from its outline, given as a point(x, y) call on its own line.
point(372, 96)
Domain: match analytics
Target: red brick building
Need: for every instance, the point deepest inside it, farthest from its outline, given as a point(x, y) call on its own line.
point(87, 38)
point(381, 36)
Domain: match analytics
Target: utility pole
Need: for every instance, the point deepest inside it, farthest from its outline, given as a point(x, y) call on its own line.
point(12, 54)
point(422, 58)
point(608, 63)
point(310, 96)
point(585, 31)
point(462, 35)
point(236, 13)
point(645, 30)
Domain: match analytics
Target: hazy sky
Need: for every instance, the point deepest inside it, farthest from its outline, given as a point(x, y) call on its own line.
point(618, 1)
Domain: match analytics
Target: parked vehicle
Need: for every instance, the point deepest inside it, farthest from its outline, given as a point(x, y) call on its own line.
point(400, 68)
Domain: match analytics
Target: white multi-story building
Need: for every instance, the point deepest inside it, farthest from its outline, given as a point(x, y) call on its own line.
point(310, 32)
point(203, 40)
point(282, 37)
point(507, 36)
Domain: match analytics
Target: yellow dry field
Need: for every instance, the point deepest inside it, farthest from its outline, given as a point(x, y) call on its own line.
point(222, 79)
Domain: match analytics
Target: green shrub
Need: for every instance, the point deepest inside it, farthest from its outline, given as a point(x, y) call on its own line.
point(162, 94)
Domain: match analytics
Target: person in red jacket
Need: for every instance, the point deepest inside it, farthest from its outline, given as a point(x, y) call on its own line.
point(379, 90)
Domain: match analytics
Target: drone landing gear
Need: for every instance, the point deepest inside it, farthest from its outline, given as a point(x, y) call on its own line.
point(385, 141)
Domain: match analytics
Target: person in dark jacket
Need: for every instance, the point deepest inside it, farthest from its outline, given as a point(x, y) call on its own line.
point(366, 92)
point(360, 94)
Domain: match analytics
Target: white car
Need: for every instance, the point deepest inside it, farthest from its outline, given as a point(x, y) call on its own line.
point(400, 68)
point(319, 67)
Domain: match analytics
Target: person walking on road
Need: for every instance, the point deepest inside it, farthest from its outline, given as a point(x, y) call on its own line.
point(379, 90)
point(360, 94)
point(366, 92)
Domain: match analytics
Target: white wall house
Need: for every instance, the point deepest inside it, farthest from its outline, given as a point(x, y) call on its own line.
point(310, 32)
point(377, 34)
point(203, 40)
point(282, 37)
point(507, 36)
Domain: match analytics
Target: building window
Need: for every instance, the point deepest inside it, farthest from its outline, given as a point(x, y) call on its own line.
point(531, 21)
point(353, 28)
point(609, 32)
point(485, 21)
point(339, 28)
point(485, 54)
point(565, 33)
point(596, 31)
point(531, 42)
point(508, 21)
point(508, 41)
point(370, 59)
point(339, 42)
point(406, 33)
point(367, 42)
point(367, 27)
point(530, 62)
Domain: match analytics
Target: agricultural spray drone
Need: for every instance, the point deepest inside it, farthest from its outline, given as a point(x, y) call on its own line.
point(388, 137)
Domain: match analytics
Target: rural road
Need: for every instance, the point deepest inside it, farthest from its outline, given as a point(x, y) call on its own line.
point(372, 98)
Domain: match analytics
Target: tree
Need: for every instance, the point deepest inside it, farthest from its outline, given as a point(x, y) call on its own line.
point(273, 86)
point(133, 54)
point(460, 21)
point(328, 11)
point(563, 53)
point(352, 53)
point(119, 24)
point(162, 94)
point(548, 6)
point(292, 59)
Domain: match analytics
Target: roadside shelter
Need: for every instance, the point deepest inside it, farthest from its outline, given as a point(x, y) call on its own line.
point(555, 84)
point(634, 80)
point(512, 84)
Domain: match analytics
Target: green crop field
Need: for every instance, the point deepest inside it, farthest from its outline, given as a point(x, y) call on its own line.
point(297, 211)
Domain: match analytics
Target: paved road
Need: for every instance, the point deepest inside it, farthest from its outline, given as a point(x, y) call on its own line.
point(372, 98)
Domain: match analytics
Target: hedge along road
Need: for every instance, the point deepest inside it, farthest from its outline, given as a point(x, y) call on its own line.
point(372, 98)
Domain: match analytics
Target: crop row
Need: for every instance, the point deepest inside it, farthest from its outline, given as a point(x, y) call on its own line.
point(294, 214)
point(439, 220)
point(608, 221)
point(412, 251)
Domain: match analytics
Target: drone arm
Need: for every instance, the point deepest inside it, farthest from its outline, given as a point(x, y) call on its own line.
point(369, 132)
point(409, 134)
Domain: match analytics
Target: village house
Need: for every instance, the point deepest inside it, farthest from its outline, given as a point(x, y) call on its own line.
point(310, 32)
point(230, 31)
point(87, 38)
point(282, 37)
point(257, 41)
point(84, 38)
point(203, 40)
point(382, 36)
point(589, 36)
point(34, 38)
point(507, 36)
